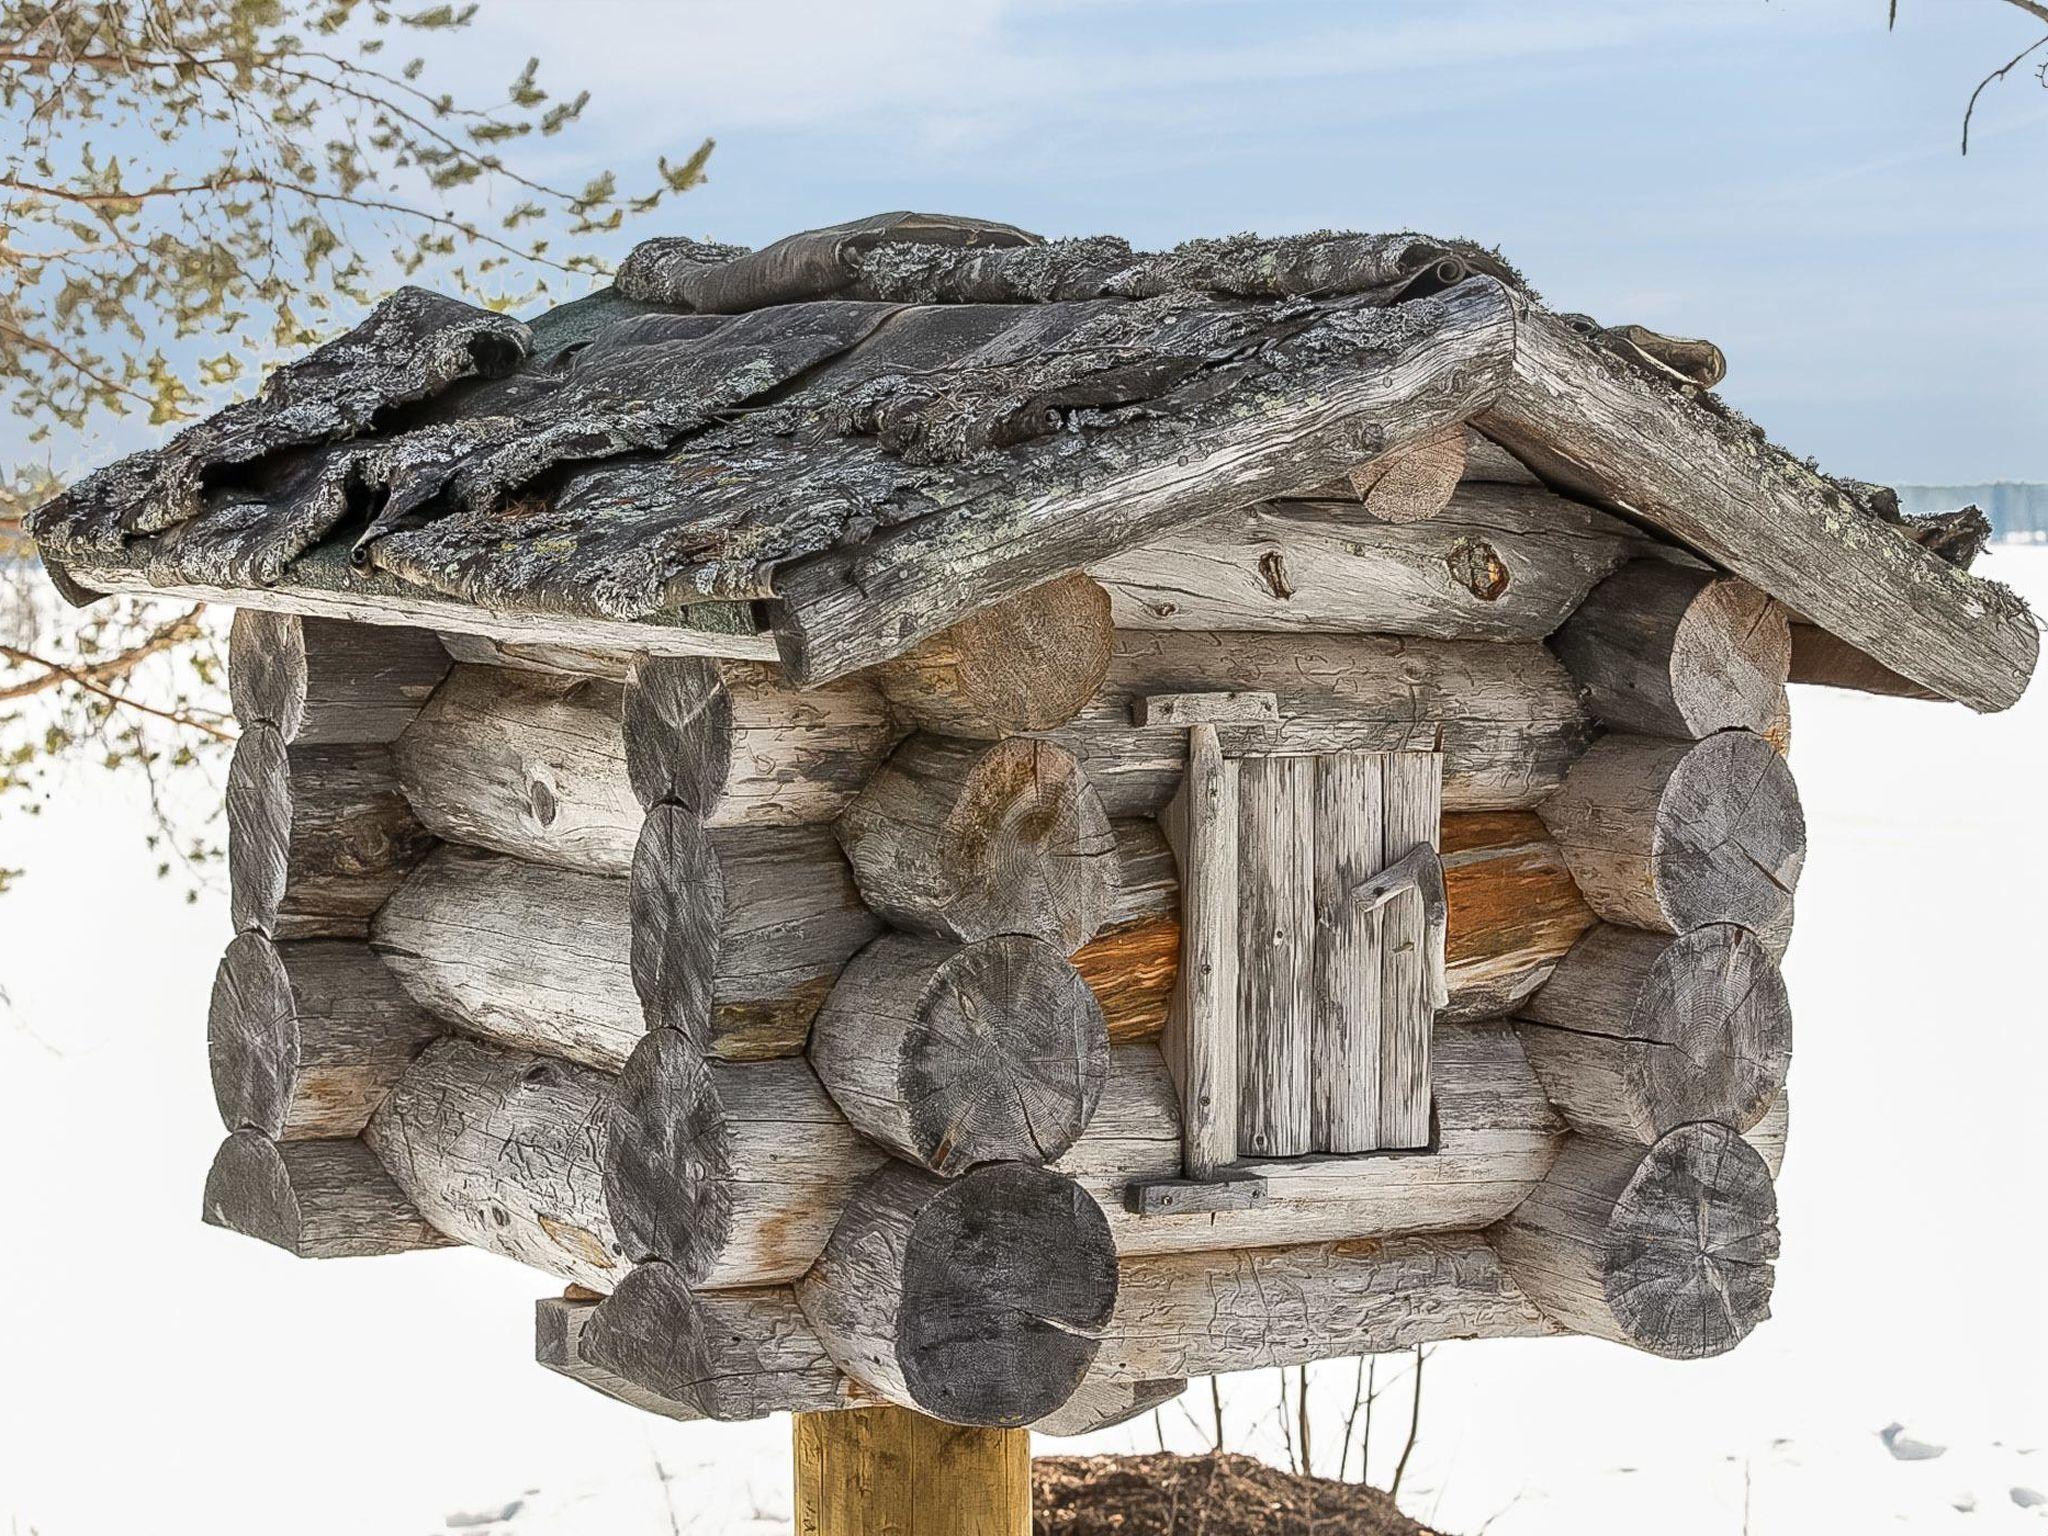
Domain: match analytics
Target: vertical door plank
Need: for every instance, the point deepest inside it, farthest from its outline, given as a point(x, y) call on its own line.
point(1276, 941)
point(1201, 1030)
point(1413, 814)
point(1344, 1031)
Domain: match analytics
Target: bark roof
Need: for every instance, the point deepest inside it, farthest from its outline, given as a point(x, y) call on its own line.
point(719, 415)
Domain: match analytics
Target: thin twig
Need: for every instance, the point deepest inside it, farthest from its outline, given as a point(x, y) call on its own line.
point(165, 637)
point(81, 680)
point(1997, 74)
point(1216, 1405)
point(1414, 1426)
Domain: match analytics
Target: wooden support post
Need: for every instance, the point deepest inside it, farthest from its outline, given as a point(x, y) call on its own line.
point(892, 1472)
point(967, 839)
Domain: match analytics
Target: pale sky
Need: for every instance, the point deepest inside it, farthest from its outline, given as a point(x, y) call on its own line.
point(1781, 177)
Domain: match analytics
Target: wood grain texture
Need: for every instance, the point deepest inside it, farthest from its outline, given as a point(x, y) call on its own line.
point(1500, 562)
point(1496, 1136)
point(889, 1471)
point(1506, 717)
point(1430, 363)
point(1769, 1135)
point(1025, 664)
point(952, 1055)
point(731, 1355)
point(1412, 784)
point(412, 607)
point(322, 681)
point(314, 1199)
point(979, 1300)
point(1276, 928)
point(732, 1174)
point(1202, 1314)
point(1201, 1044)
point(1638, 1033)
point(1132, 965)
point(1828, 661)
point(318, 836)
point(1668, 651)
point(1413, 482)
point(734, 934)
point(305, 1038)
point(559, 1325)
point(1672, 835)
point(1666, 1248)
point(504, 1150)
point(966, 840)
point(1592, 425)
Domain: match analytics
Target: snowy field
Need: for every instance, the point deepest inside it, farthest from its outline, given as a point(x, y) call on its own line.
point(157, 1375)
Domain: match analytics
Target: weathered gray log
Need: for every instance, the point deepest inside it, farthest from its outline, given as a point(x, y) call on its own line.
point(1496, 1136)
point(977, 1300)
point(733, 1174)
point(736, 934)
point(1666, 1248)
point(740, 747)
point(537, 656)
point(1506, 717)
point(716, 629)
point(321, 682)
point(953, 1055)
point(556, 767)
point(1486, 462)
point(1828, 661)
point(1637, 1033)
point(1026, 664)
point(559, 1324)
point(1202, 1314)
point(526, 763)
point(306, 1037)
point(1441, 359)
point(747, 1353)
point(318, 836)
point(315, 1199)
point(1514, 913)
point(1500, 562)
point(1200, 1043)
point(1669, 651)
point(504, 1150)
point(1593, 424)
point(967, 839)
point(1673, 835)
point(739, 1354)
point(740, 932)
point(1276, 933)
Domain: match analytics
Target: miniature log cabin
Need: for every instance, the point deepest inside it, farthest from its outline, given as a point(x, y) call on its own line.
point(934, 820)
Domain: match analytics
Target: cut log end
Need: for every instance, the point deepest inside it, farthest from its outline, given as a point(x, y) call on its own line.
point(1413, 482)
point(1028, 664)
point(980, 1300)
point(669, 1166)
point(1690, 1244)
point(314, 1199)
point(1675, 835)
point(1637, 1034)
point(953, 1056)
point(325, 681)
point(678, 732)
point(1666, 1248)
point(968, 841)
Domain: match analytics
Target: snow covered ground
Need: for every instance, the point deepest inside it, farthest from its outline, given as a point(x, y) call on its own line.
point(158, 1375)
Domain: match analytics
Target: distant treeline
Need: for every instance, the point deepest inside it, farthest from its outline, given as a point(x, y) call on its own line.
point(2018, 511)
